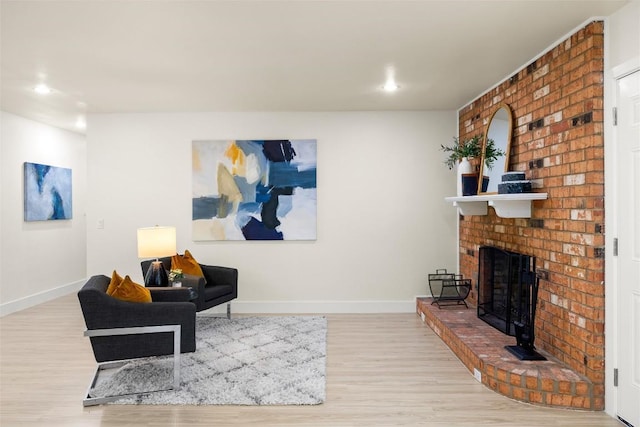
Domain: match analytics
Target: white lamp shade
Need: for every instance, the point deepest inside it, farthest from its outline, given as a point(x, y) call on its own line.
point(156, 242)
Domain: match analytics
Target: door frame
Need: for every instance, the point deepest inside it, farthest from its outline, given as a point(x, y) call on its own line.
point(611, 230)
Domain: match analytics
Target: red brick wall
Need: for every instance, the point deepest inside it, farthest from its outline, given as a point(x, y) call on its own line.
point(557, 106)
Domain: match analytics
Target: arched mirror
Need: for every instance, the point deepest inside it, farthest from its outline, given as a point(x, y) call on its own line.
point(495, 150)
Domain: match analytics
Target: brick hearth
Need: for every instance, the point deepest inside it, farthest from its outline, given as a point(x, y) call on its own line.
point(480, 346)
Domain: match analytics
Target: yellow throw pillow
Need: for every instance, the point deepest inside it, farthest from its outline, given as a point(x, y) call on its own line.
point(114, 283)
point(132, 292)
point(187, 264)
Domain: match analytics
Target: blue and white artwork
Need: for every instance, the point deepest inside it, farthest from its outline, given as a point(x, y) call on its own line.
point(47, 192)
point(254, 189)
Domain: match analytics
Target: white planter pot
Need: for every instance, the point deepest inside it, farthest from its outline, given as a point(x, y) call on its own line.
point(463, 167)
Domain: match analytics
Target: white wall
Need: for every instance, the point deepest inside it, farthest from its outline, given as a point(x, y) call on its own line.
point(40, 260)
point(622, 55)
point(623, 28)
point(382, 221)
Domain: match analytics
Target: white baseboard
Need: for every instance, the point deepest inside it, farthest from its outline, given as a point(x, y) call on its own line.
point(238, 306)
point(290, 307)
point(39, 298)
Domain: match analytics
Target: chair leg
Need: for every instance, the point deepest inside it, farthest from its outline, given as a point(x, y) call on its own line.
point(176, 329)
point(228, 310)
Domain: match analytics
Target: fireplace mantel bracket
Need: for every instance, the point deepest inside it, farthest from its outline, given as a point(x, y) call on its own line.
point(516, 205)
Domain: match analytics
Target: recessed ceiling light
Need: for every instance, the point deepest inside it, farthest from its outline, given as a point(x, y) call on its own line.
point(42, 89)
point(80, 123)
point(390, 86)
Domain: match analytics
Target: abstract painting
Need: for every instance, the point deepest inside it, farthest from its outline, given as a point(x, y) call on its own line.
point(254, 189)
point(47, 192)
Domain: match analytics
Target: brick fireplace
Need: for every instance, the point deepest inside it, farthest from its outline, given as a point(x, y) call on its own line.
point(557, 105)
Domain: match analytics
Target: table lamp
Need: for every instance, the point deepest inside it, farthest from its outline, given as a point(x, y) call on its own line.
point(156, 242)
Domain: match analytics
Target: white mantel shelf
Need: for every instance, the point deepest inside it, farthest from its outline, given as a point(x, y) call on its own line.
point(517, 205)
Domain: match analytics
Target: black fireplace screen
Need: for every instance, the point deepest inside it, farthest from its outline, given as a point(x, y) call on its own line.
point(505, 281)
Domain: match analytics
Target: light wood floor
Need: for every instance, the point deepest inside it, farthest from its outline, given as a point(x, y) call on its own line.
point(382, 370)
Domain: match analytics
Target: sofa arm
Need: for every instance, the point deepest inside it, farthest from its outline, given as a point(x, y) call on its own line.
point(122, 314)
point(217, 275)
point(197, 284)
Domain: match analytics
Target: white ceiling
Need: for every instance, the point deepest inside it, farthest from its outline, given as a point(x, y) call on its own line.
point(297, 55)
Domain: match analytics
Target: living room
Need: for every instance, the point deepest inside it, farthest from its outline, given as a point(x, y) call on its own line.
point(133, 169)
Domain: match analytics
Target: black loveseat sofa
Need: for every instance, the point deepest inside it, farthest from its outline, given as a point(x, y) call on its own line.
point(219, 285)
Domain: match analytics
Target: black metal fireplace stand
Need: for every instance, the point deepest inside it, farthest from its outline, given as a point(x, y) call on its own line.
point(525, 330)
point(507, 297)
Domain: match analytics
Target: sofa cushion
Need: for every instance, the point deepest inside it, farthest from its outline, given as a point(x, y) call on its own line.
point(187, 264)
point(116, 279)
point(130, 291)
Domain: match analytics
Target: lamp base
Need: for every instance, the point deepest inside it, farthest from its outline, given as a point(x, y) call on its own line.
point(156, 275)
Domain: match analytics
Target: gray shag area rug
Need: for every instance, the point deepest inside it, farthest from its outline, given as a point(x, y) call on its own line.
point(242, 361)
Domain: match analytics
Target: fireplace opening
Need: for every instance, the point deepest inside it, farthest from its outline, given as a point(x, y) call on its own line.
point(507, 294)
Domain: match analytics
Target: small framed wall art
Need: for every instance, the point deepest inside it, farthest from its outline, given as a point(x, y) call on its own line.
point(47, 192)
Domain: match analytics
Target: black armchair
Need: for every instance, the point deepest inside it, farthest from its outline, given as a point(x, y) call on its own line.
point(102, 311)
point(219, 285)
point(121, 330)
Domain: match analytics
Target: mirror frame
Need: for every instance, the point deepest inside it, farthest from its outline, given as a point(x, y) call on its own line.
point(506, 147)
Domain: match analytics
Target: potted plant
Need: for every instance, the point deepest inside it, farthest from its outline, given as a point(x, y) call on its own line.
point(459, 154)
point(175, 277)
point(468, 149)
